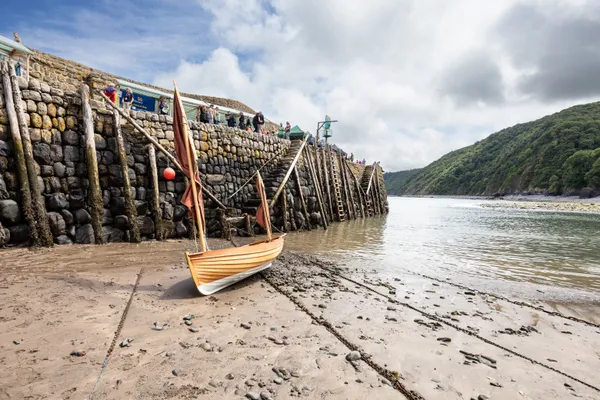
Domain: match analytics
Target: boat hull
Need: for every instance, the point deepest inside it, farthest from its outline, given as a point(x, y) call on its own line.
point(216, 269)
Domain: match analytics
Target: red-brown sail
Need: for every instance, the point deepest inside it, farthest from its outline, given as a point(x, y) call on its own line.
point(181, 136)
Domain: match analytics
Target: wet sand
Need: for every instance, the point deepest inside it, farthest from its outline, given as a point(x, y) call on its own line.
point(63, 306)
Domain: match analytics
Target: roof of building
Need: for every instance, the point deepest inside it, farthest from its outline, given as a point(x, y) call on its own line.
point(9, 45)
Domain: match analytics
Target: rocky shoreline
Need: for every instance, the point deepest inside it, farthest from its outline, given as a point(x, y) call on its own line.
point(309, 328)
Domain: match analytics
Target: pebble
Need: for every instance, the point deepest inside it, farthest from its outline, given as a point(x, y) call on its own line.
point(250, 383)
point(386, 382)
point(194, 330)
point(245, 326)
point(390, 308)
point(16, 342)
point(266, 396)
point(229, 376)
point(188, 322)
point(170, 354)
point(253, 396)
point(278, 380)
point(205, 346)
point(322, 305)
point(176, 372)
point(483, 397)
point(444, 339)
point(469, 293)
point(78, 353)
point(126, 342)
point(353, 356)
point(188, 317)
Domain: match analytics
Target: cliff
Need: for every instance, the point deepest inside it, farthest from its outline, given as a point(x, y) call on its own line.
point(557, 154)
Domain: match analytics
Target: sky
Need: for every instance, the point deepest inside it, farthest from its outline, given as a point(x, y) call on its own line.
point(407, 80)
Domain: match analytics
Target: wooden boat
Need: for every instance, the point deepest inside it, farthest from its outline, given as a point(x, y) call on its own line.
point(213, 270)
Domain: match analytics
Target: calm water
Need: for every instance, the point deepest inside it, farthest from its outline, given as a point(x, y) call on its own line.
point(528, 254)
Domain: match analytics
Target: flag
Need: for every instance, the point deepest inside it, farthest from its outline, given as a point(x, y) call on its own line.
point(181, 132)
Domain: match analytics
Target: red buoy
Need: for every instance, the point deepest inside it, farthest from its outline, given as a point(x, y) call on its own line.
point(169, 173)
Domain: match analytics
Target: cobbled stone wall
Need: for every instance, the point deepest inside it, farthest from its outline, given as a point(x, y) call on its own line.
point(227, 158)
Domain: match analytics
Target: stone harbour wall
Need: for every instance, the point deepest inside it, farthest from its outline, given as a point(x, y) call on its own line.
point(227, 158)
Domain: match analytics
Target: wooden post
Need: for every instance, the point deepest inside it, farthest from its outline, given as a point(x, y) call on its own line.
point(288, 173)
point(286, 227)
point(159, 147)
point(19, 156)
point(317, 186)
point(378, 190)
point(345, 187)
point(249, 229)
point(37, 200)
point(155, 193)
point(130, 209)
point(95, 193)
point(317, 162)
point(359, 191)
point(352, 205)
point(326, 174)
point(301, 195)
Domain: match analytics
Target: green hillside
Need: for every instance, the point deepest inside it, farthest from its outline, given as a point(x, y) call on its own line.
point(396, 181)
point(557, 154)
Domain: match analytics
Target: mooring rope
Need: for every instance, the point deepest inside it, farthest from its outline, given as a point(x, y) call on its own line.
point(445, 322)
point(117, 333)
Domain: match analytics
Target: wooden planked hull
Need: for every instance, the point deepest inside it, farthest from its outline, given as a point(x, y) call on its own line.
point(216, 269)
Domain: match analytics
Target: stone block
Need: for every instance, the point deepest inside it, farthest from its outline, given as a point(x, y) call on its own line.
point(19, 233)
point(57, 223)
point(10, 213)
point(85, 235)
point(31, 106)
point(51, 109)
point(36, 120)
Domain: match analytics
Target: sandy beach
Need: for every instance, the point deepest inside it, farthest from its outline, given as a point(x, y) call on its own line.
point(288, 334)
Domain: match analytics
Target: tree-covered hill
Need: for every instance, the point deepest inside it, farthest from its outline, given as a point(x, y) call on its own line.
point(396, 181)
point(557, 154)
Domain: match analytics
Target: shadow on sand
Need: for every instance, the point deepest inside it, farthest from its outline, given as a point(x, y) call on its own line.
point(185, 289)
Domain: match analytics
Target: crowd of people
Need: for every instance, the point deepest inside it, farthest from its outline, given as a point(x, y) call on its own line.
point(210, 114)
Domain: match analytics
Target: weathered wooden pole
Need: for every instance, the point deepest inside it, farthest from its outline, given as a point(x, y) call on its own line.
point(19, 156)
point(38, 201)
point(359, 191)
point(301, 195)
point(317, 162)
point(349, 206)
point(317, 187)
point(155, 192)
point(130, 209)
point(286, 226)
point(326, 174)
point(352, 206)
point(288, 173)
point(95, 192)
point(159, 147)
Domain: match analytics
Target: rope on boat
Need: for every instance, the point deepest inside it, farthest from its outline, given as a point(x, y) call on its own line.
point(117, 333)
point(515, 302)
point(445, 322)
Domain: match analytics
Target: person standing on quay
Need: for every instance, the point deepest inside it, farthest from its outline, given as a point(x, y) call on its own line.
point(258, 121)
point(111, 92)
point(163, 107)
point(127, 100)
point(242, 122)
point(288, 128)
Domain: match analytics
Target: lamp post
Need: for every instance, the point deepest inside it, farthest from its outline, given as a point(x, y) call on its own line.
point(326, 124)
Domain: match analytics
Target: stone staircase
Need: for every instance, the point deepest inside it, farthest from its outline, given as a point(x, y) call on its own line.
point(273, 180)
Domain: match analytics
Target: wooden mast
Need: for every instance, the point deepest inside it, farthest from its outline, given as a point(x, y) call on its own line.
point(189, 146)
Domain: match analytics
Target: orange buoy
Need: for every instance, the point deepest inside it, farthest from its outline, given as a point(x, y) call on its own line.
point(169, 173)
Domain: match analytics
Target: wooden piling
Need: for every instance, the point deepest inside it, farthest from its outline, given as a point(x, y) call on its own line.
point(317, 187)
point(95, 192)
point(155, 192)
point(248, 223)
point(346, 189)
point(301, 195)
point(344, 169)
point(286, 226)
point(359, 192)
point(130, 209)
point(26, 200)
point(37, 199)
point(159, 147)
point(326, 184)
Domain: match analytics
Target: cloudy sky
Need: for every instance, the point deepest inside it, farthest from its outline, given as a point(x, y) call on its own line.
point(408, 80)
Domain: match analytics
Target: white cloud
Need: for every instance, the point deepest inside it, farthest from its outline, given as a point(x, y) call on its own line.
point(379, 67)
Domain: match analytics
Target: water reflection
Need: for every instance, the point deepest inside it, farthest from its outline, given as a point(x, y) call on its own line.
point(518, 251)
